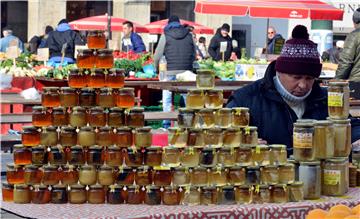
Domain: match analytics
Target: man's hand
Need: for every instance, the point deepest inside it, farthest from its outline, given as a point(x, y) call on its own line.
point(356, 143)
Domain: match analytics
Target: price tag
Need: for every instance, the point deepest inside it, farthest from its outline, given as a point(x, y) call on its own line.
point(12, 52)
point(43, 54)
point(335, 99)
point(303, 140)
point(153, 38)
point(127, 42)
point(332, 177)
point(223, 46)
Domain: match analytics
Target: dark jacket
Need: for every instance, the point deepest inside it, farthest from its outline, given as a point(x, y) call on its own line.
point(271, 43)
point(214, 46)
point(271, 114)
point(137, 44)
point(63, 34)
point(331, 55)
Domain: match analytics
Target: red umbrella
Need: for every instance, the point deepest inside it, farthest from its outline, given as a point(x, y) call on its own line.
point(298, 9)
point(100, 23)
point(157, 27)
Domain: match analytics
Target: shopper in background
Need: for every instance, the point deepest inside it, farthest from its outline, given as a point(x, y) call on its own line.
point(349, 62)
point(131, 40)
point(221, 36)
point(332, 54)
point(39, 41)
point(202, 49)
point(272, 37)
point(10, 40)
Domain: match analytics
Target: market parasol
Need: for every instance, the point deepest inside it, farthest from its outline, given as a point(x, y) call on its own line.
point(157, 27)
point(101, 23)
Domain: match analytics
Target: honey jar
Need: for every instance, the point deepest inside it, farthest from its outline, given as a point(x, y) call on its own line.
point(105, 98)
point(126, 98)
point(205, 79)
point(199, 176)
point(49, 136)
point(269, 174)
point(232, 137)
point(32, 175)
point(123, 137)
point(70, 175)
point(57, 155)
point(30, 136)
point(126, 175)
point(22, 194)
point(214, 99)
point(104, 58)
point(208, 157)
point(77, 155)
point(50, 97)
point(143, 137)
point(87, 97)
point(96, 194)
point(59, 194)
point(38, 155)
point(143, 176)
point(95, 155)
point(60, 116)
point(171, 156)
point(40, 194)
point(206, 118)
point(237, 175)
point(186, 118)
point(152, 195)
point(243, 155)
point(134, 157)
point(261, 194)
point(177, 137)
point(286, 173)
point(68, 136)
point(85, 58)
point(218, 176)
point(97, 117)
point(7, 191)
point(310, 175)
point(260, 155)
point(87, 175)
point(162, 176)
point(114, 156)
point(77, 194)
point(342, 138)
point(190, 156)
point(195, 99)
point(77, 117)
point(224, 118)
point(335, 176)
point(278, 154)
point(208, 195)
point(241, 116)
point(51, 175)
point(324, 139)
point(181, 176)
point(191, 196)
point(303, 135)
point(213, 137)
point(69, 97)
point(104, 136)
point(249, 136)
point(226, 195)
point(14, 174)
point(136, 118)
point(96, 39)
point(153, 156)
point(195, 138)
point(115, 78)
point(296, 193)
point(135, 195)
point(226, 156)
point(243, 194)
point(86, 136)
point(116, 117)
point(338, 99)
point(41, 117)
point(115, 194)
point(171, 195)
point(252, 175)
point(280, 193)
point(22, 155)
point(77, 78)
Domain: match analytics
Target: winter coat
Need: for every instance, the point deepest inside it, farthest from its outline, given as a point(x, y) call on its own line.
point(271, 43)
point(214, 46)
point(137, 44)
point(5, 42)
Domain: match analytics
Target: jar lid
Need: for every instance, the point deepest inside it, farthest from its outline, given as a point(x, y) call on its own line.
point(87, 89)
point(292, 160)
point(116, 109)
point(96, 186)
point(69, 167)
point(137, 110)
point(78, 108)
point(253, 168)
point(143, 168)
point(195, 91)
point(107, 51)
point(323, 123)
point(116, 186)
point(143, 129)
point(199, 168)
point(232, 129)
point(228, 187)
point(263, 186)
point(154, 148)
point(170, 148)
point(38, 108)
point(152, 187)
point(304, 124)
point(270, 166)
point(207, 110)
point(279, 185)
point(214, 130)
point(68, 89)
point(114, 148)
point(244, 148)
point(50, 128)
point(277, 146)
point(305, 120)
point(195, 130)
point(126, 168)
point(56, 148)
point(290, 165)
point(74, 70)
point(68, 128)
point(338, 83)
point(77, 186)
point(96, 147)
point(7, 185)
point(181, 168)
point(225, 110)
point(215, 90)
point(126, 89)
point(132, 187)
point(162, 168)
point(29, 128)
point(97, 108)
point(106, 89)
point(50, 167)
point(244, 186)
point(186, 110)
point(337, 160)
point(123, 129)
point(59, 186)
point(117, 70)
point(208, 149)
point(106, 129)
point(59, 108)
point(171, 187)
point(96, 32)
point(310, 163)
point(237, 167)
point(32, 167)
point(18, 146)
point(12, 165)
point(339, 121)
point(87, 51)
point(86, 128)
point(51, 88)
point(297, 183)
point(209, 187)
point(241, 109)
point(226, 148)
point(21, 186)
point(262, 147)
point(37, 148)
point(176, 129)
point(98, 71)
point(218, 168)
point(76, 148)
point(251, 128)
point(87, 167)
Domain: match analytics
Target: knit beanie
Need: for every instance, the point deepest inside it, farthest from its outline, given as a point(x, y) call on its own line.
point(356, 16)
point(225, 27)
point(173, 18)
point(299, 55)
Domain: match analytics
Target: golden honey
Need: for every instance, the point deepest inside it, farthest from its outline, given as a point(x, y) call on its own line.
point(96, 39)
point(41, 116)
point(22, 155)
point(69, 97)
point(104, 58)
point(85, 58)
point(115, 78)
point(126, 98)
point(50, 97)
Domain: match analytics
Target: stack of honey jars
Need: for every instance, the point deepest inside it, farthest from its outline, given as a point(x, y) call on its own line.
point(321, 148)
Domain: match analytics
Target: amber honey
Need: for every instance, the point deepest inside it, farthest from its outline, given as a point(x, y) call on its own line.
point(105, 98)
point(60, 116)
point(199, 176)
point(115, 194)
point(32, 175)
point(95, 155)
point(123, 137)
point(153, 156)
point(15, 174)
point(206, 118)
point(241, 116)
point(41, 117)
point(134, 157)
point(57, 155)
point(126, 98)
point(116, 117)
point(50, 97)
point(77, 78)
point(143, 176)
point(22, 155)
point(69, 97)
point(162, 176)
point(7, 191)
point(115, 78)
point(136, 118)
point(195, 99)
point(104, 136)
point(40, 194)
point(97, 78)
point(104, 58)
point(87, 97)
point(125, 176)
point(96, 39)
point(85, 58)
point(70, 175)
point(68, 136)
point(96, 195)
point(171, 195)
point(152, 195)
point(114, 156)
point(97, 117)
point(51, 175)
point(30, 136)
point(135, 195)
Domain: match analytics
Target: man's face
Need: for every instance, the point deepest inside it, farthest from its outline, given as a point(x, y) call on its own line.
point(224, 33)
point(297, 85)
point(127, 30)
point(271, 33)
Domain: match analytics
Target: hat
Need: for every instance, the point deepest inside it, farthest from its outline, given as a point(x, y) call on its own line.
point(48, 29)
point(63, 21)
point(173, 18)
point(225, 27)
point(299, 55)
point(356, 16)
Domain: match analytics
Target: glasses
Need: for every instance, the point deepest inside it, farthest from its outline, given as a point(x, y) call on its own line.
point(270, 32)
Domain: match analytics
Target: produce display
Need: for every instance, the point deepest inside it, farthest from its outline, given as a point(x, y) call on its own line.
point(337, 211)
point(24, 66)
point(141, 64)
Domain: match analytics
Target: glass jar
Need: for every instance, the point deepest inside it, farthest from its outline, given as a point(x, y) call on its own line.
point(96, 194)
point(41, 117)
point(49, 136)
point(253, 175)
point(226, 195)
point(260, 155)
point(232, 137)
point(342, 143)
point(14, 174)
point(143, 137)
point(104, 136)
point(143, 176)
point(77, 117)
point(123, 137)
point(86, 136)
point(96, 39)
point(205, 79)
point(195, 137)
point(243, 194)
point(104, 58)
point(199, 176)
point(70, 175)
point(237, 175)
point(105, 98)
point(116, 117)
point(38, 155)
point(152, 195)
point(214, 99)
point(296, 191)
point(134, 157)
point(114, 156)
point(261, 194)
point(208, 195)
point(226, 156)
point(136, 118)
point(310, 175)
point(85, 58)
point(60, 116)
point(162, 176)
point(206, 118)
point(22, 155)
point(51, 175)
point(126, 98)
point(286, 173)
point(249, 136)
point(135, 195)
point(106, 175)
point(171, 156)
point(278, 154)
point(218, 176)
point(186, 118)
point(338, 99)
point(153, 156)
point(57, 155)
point(223, 118)
point(269, 174)
point(115, 78)
point(126, 175)
point(208, 157)
point(50, 97)
point(280, 193)
point(335, 175)
point(190, 156)
point(191, 196)
point(115, 194)
point(77, 194)
point(87, 97)
point(59, 194)
point(30, 136)
point(69, 97)
point(68, 136)
point(87, 175)
point(77, 156)
point(303, 141)
point(296, 166)
point(40, 194)
point(244, 155)
point(171, 195)
point(241, 116)
point(177, 137)
point(95, 155)
point(324, 139)
point(22, 194)
point(97, 78)
point(213, 137)
point(195, 99)
point(181, 176)
point(97, 117)
point(32, 175)
point(77, 78)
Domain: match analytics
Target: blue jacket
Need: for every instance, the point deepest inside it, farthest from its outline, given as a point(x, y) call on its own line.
point(271, 43)
point(4, 43)
point(271, 114)
point(137, 44)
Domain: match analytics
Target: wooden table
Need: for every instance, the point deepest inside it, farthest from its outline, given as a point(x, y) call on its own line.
point(15, 98)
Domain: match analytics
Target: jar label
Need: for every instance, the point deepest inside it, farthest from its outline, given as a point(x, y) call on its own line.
point(303, 140)
point(335, 99)
point(332, 177)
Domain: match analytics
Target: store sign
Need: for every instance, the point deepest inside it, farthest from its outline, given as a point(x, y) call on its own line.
point(223, 46)
point(348, 6)
point(295, 14)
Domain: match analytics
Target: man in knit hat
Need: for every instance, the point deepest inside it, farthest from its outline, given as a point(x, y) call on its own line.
point(287, 92)
point(221, 36)
point(349, 62)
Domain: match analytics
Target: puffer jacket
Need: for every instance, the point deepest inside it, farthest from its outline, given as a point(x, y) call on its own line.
point(349, 63)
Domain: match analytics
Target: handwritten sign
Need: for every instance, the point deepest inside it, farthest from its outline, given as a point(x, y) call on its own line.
point(43, 54)
point(12, 52)
point(223, 46)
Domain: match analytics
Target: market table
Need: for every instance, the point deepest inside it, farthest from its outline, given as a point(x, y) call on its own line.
point(295, 210)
